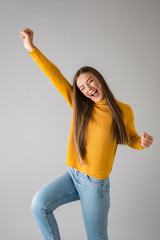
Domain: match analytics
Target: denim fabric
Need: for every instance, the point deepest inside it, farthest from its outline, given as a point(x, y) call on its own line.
point(74, 185)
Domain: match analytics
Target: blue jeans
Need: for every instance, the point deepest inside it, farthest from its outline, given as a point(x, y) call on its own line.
point(74, 185)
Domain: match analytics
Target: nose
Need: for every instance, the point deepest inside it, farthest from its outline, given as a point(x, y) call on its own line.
point(89, 88)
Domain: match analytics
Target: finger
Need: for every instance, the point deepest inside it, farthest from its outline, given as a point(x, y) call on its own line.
point(29, 29)
point(22, 35)
point(147, 141)
point(28, 33)
point(144, 133)
point(25, 34)
point(25, 31)
point(147, 144)
point(149, 137)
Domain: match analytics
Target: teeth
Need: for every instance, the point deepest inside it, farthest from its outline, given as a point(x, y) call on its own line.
point(93, 92)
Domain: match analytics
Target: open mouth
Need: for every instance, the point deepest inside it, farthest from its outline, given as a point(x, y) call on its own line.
point(95, 93)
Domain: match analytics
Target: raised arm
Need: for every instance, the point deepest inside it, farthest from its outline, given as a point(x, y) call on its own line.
point(50, 69)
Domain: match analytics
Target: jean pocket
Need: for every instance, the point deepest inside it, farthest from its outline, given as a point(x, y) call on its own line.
point(95, 180)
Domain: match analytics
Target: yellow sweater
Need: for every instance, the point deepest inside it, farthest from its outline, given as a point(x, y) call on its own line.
point(100, 153)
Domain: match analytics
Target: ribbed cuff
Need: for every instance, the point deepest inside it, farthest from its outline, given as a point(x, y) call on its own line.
point(33, 51)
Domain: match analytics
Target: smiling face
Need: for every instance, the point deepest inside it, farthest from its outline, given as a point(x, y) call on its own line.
point(88, 83)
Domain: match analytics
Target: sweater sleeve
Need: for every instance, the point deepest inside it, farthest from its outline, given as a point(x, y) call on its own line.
point(53, 73)
point(131, 130)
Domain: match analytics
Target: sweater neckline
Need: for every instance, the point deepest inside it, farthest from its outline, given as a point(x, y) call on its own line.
point(101, 102)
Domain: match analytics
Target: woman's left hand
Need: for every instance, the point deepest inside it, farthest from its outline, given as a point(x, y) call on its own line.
point(146, 140)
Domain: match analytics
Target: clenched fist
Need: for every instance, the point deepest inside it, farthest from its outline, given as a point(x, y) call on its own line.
point(146, 140)
point(27, 36)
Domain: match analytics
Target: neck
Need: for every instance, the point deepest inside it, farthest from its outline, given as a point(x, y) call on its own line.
point(101, 102)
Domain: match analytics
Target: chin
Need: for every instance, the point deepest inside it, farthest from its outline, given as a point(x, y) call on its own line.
point(99, 99)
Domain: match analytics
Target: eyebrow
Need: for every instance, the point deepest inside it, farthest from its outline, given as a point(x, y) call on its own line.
point(86, 82)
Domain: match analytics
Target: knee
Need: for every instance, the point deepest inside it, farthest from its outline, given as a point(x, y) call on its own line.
point(36, 204)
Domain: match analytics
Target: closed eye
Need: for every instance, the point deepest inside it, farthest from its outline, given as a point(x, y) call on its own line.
point(89, 81)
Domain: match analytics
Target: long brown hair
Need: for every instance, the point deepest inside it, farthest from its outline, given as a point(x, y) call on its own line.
point(82, 110)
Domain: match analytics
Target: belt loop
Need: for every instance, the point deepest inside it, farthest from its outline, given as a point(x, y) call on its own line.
point(77, 172)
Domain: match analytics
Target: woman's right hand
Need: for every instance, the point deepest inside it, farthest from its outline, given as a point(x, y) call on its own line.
point(27, 36)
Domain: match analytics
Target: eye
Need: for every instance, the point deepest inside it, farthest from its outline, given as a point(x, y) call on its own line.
point(89, 81)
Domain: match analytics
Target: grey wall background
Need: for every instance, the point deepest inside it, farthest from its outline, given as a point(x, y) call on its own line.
point(121, 39)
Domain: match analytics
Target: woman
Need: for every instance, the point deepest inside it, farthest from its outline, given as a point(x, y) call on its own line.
point(99, 123)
